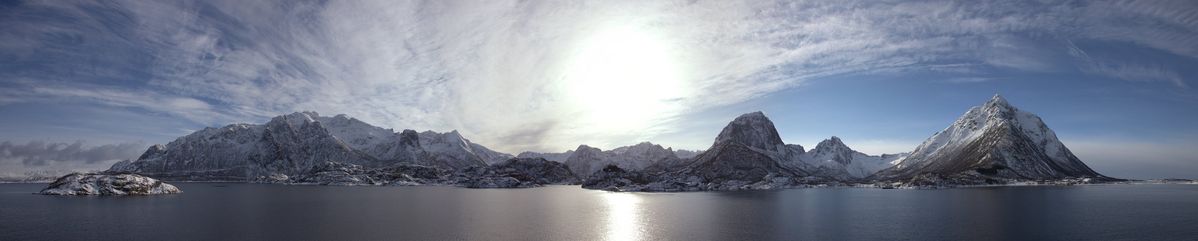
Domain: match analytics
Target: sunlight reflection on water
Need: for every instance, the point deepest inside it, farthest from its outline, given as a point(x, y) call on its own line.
point(623, 219)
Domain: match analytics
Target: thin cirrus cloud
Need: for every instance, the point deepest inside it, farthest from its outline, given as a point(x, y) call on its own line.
point(500, 71)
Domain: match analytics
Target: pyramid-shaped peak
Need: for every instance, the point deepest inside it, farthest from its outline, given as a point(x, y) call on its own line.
point(833, 141)
point(752, 129)
point(994, 140)
point(997, 100)
point(833, 144)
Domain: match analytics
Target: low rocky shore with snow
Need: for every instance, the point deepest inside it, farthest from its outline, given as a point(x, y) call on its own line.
point(108, 184)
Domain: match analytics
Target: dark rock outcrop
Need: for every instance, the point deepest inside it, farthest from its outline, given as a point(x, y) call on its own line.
point(517, 173)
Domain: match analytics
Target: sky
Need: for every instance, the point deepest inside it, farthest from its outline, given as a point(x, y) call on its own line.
point(86, 83)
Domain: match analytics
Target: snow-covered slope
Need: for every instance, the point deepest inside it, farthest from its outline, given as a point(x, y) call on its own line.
point(833, 158)
point(295, 143)
point(992, 141)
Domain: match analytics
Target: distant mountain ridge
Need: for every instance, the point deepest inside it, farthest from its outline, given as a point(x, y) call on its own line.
point(296, 143)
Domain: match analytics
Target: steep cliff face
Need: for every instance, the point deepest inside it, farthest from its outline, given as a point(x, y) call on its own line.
point(753, 130)
point(993, 143)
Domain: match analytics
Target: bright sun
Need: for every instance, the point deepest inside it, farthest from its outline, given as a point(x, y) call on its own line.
point(624, 78)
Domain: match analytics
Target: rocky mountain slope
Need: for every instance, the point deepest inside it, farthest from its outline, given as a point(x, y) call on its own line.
point(993, 143)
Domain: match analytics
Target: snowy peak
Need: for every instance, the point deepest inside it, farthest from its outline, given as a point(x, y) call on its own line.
point(995, 140)
point(753, 130)
point(997, 100)
point(833, 149)
point(833, 158)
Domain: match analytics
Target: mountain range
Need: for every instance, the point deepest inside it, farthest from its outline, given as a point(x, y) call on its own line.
point(297, 143)
point(994, 143)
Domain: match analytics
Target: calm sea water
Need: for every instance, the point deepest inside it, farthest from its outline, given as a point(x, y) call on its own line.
point(221, 211)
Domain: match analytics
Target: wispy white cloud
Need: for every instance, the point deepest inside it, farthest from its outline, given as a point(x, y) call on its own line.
point(500, 71)
point(1137, 72)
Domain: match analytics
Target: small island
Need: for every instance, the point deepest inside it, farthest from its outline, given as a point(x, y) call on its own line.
point(108, 184)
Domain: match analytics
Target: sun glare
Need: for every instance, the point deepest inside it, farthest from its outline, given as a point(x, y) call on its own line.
point(623, 78)
point(623, 221)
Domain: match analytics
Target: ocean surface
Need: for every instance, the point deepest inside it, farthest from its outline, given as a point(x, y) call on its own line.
point(231, 211)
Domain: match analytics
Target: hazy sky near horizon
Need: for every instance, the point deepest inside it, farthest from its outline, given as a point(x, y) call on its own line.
point(103, 79)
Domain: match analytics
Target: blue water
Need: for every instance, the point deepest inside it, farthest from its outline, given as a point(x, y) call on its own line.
point(223, 211)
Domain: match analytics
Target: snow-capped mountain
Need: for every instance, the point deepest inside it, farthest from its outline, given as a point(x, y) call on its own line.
point(994, 142)
point(586, 160)
point(831, 157)
point(295, 143)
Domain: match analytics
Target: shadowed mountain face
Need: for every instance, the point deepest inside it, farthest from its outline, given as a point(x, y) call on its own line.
point(752, 130)
point(735, 161)
point(748, 148)
point(995, 140)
